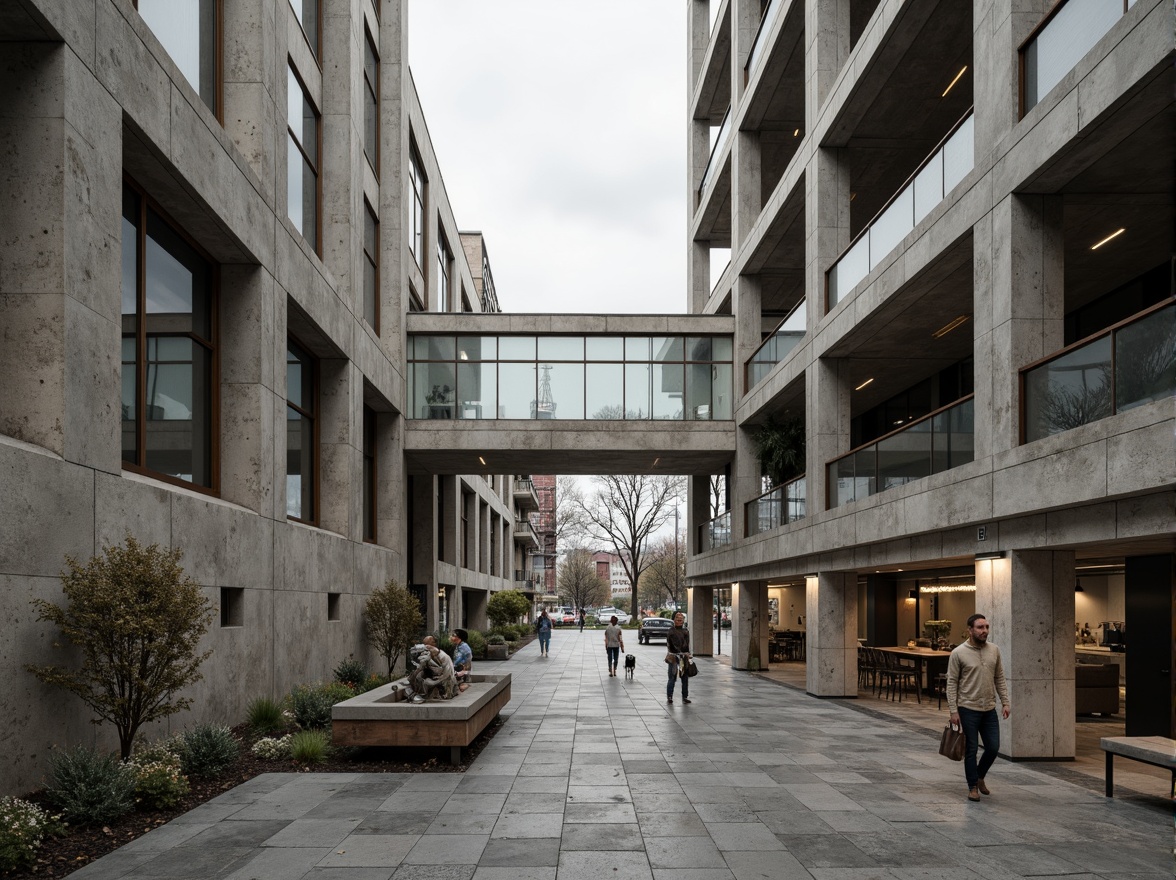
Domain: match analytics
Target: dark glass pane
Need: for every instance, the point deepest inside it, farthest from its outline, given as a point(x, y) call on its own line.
point(178, 283)
point(1145, 360)
point(1072, 390)
point(904, 456)
point(293, 377)
point(299, 465)
point(667, 349)
point(130, 260)
point(187, 29)
point(698, 348)
point(130, 439)
point(371, 110)
point(178, 409)
point(307, 12)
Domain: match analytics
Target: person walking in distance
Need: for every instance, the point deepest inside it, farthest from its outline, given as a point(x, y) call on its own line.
point(677, 645)
point(581, 620)
point(614, 643)
point(975, 678)
point(543, 628)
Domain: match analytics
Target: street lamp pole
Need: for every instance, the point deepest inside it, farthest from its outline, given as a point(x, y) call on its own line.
point(676, 588)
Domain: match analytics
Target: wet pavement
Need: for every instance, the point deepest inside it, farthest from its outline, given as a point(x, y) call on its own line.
point(595, 777)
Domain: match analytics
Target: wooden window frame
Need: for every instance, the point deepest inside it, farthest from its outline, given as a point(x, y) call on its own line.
point(316, 45)
point(419, 185)
point(371, 481)
point(312, 362)
point(372, 262)
point(315, 166)
point(373, 89)
point(219, 36)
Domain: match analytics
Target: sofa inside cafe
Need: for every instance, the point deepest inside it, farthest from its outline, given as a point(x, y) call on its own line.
point(908, 622)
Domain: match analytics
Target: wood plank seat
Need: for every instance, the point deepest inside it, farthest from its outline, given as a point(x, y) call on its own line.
point(1159, 751)
point(382, 717)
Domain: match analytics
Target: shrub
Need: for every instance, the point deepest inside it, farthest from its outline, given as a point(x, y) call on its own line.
point(350, 672)
point(159, 784)
point(372, 682)
point(90, 788)
point(443, 642)
point(208, 750)
point(495, 639)
point(167, 749)
point(477, 643)
point(507, 606)
point(129, 610)
point(311, 704)
point(309, 746)
point(522, 630)
point(392, 618)
point(270, 749)
point(22, 828)
point(265, 716)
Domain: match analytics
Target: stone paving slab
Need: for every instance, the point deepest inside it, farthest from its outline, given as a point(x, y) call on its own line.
point(595, 777)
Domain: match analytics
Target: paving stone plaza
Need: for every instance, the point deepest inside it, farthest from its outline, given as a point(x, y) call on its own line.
point(595, 777)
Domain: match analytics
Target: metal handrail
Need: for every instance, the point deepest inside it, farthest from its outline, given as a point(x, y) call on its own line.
point(780, 488)
point(767, 20)
point(903, 429)
point(720, 142)
point(770, 337)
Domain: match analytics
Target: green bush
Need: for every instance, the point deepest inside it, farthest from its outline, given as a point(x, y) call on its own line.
point(271, 749)
point(351, 672)
point(159, 784)
point(372, 682)
point(522, 630)
point(208, 750)
point(477, 643)
point(507, 606)
point(311, 704)
point(264, 716)
point(309, 746)
point(167, 749)
point(22, 828)
point(90, 788)
point(495, 639)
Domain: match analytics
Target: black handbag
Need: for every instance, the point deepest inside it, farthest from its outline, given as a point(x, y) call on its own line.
point(691, 669)
point(953, 742)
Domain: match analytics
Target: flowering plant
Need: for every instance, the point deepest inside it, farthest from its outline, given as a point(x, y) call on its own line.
point(272, 748)
point(22, 828)
point(159, 783)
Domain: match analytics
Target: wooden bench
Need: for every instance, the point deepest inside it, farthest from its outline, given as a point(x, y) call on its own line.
point(382, 717)
point(1159, 751)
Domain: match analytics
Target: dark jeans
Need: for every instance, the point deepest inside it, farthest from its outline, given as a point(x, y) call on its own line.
point(985, 726)
point(544, 640)
point(614, 655)
point(671, 675)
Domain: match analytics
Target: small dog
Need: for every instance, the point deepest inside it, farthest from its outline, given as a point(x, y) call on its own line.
point(630, 666)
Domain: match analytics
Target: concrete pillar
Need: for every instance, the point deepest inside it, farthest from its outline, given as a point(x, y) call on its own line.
point(826, 46)
point(747, 307)
point(391, 513)
point(749, 625)
point(746, 480)
point(827, 405)
point(1028, 599)
point(699, 609)
point(1000, 26)
point(831, 626)
point(340, 427)
point(252, 77)
point(393, 208)
point(1018, 303)
point(827, 218)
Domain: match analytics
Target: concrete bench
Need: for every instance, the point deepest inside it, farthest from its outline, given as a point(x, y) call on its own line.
point(382, 717)
point(1159, 751)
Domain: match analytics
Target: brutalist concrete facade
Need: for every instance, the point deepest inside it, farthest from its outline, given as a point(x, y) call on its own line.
point(824, 115)
point(91, 100)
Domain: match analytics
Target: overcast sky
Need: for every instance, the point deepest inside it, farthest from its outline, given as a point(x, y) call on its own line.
point(561, 135)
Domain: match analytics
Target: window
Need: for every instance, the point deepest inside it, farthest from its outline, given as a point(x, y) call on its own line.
point(189, 30)
point(371, 267)
point(302, 161)
point(168, 349)
point(232, 606)
point(308, 14)
point(369, 474)
point(301, 433)
point(371, 102)
point(334, 606)
point(416, 177)
point(444, 273)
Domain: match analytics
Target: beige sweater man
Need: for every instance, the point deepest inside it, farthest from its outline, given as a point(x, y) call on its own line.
point(975, 679)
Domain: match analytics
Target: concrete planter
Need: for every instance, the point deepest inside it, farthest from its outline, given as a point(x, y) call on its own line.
point(497, 652)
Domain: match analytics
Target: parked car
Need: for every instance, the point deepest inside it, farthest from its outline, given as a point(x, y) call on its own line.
point(563, 616)
point(654, 628)
point(604, 615)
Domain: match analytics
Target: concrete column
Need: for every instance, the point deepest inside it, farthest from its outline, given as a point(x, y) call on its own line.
point(1000, 26)
point(699, 608)
point(831, 627)
point(340, 451)
point(423, 537)
point(1029, 601)
point(827, 405)
point(826, 46)
point(826, 206)
point(252, 77)
point(749, 625)
point(746, 479)
point(391, 513)
point(748, 309)
point(393, 207)
point(1018, 302)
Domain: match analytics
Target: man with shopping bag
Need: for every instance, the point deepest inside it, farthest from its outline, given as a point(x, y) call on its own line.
point(975, 678)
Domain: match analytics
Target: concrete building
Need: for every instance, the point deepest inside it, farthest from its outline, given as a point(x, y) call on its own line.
point(242, 202)
point(944, 233)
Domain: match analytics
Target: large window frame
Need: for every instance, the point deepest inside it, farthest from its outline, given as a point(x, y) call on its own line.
point(146, 365)
point(371, 100)
point(308, 418)
point(371, 267)
point(312, 11)
point(419, 185)
point(444, 273)
point(296, 146)
point(370, 476)
point(211, 92)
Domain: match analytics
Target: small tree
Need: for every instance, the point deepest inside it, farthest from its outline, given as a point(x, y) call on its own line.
point(577, 579)
point(393, 619)
point(506, 607)
point(780, 445)
point(137, 619)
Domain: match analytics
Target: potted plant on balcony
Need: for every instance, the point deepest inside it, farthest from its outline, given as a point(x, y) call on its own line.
point(780, 446)
point(440, 401)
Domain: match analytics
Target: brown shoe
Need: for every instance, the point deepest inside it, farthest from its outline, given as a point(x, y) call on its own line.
point(973, 794)
point(983, 788)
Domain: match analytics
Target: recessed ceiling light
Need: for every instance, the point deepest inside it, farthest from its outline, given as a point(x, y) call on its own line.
point(1095, 247)
point(796, 133)
point(864, 384)
point(852, 196)
point(954, 81)
point(656, 460)
point(949, 326)
point(482, 460)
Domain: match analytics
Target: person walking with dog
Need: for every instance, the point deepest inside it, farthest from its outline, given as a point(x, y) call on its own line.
point(614, 643)
point(975, 678)
point(677, 653)
point(543, 628)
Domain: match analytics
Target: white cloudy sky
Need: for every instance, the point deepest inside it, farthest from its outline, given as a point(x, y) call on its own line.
point(560, 130)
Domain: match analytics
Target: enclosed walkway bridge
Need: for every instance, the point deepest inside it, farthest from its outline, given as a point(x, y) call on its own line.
point(569, 394)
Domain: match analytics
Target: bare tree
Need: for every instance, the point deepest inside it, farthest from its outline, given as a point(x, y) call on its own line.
point(623, 511)
point(569, 519)
point(660, 581)
point(718, 493)
point(578, 581)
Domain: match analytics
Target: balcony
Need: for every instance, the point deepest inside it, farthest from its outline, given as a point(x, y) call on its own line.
point(716, 149)
point(776, 347)
point(526, 581)
point(525, 497)
point(935, 178)
point(780, 506)
point(1128, 365)
point(761, 38)
point(935, 443)
point(525, 535)
point(715, 533)
point(1061, 40)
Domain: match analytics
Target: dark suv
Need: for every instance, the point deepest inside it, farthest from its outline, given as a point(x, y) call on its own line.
point(653, 628)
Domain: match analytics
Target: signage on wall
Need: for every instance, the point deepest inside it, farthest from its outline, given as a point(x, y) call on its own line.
point(982, 533)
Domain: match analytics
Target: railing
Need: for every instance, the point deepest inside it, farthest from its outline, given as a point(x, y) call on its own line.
point(776, 347)
point(761, 38)
point(526, 532)
point(720, 142)
point(1061, 40)
point(528, 580)
point(524, 491)
point(937, 176)
point(1124, 366)
point(715, 533)
point(935, 443)
point(777, 507)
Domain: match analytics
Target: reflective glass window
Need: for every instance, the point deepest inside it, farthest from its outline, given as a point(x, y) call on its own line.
point(307, 13)
point(477, 390)
point(637, 391)
point(605, 348)
point(637, 348)
point(516, 390)
point(477, 348)
point(516, 348)
point(188, 30)
point(302, 160)
point(371, 102)
point(668, 388)
point(567, 389)
point(561, 348)
point(301, 447)
point(371, 267)
point(604, 388)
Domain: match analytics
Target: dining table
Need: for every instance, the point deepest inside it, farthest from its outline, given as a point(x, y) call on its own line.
point(929, 662)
